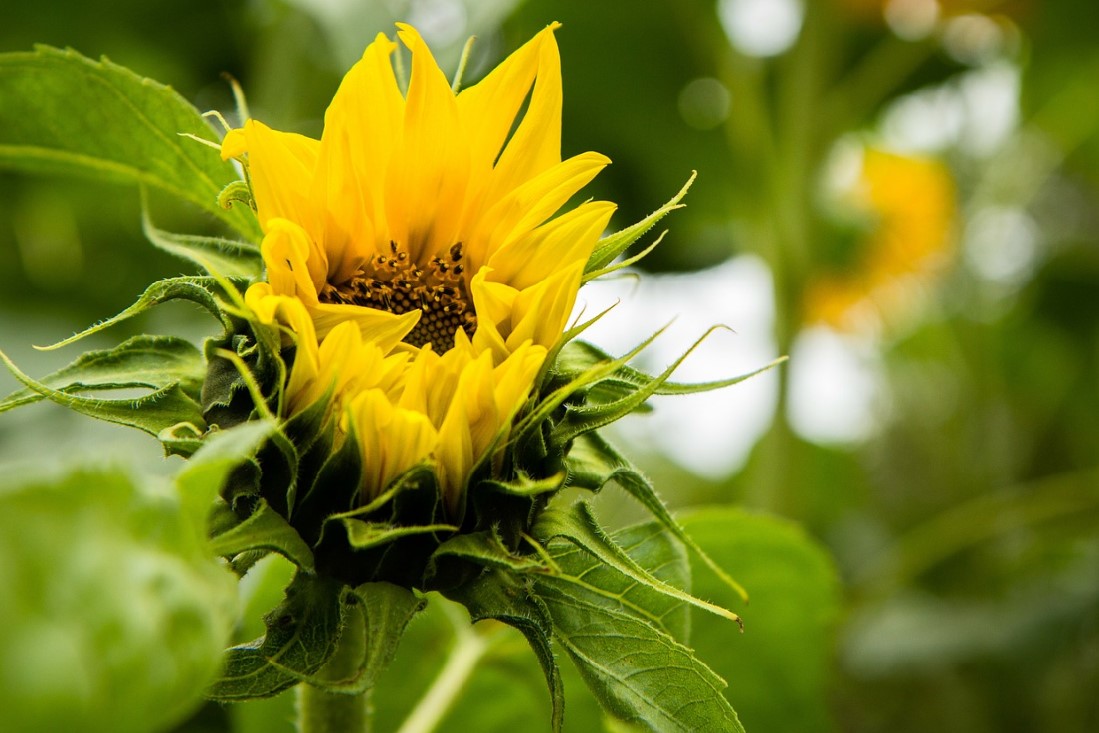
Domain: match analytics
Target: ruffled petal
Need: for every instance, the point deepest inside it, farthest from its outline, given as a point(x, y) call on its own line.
point(540, 312)
point(362, 128)
point(488, 109)
point(392, 438)
point(532, 203)
point(426, 192)
point(536, 144)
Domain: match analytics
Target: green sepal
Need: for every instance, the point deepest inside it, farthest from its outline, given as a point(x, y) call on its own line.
point(579, 356)
point(368, 535)
point(181, 439)
point(226, 396)
point(265, 529)
point(152, 413)
point(61, 112)
point(303, 633)
point(237, 192)
point(217, 256)
point(153, 362)
point(583, 418)
point(484, 548)
point(373, 627)
point(209, 469)
point(500, 595)
point(615, 244)
point(198, 290)
point(523, 485)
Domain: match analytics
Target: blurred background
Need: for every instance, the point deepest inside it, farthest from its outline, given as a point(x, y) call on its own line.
point(901, 195)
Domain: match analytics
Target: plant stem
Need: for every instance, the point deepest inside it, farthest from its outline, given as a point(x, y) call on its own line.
point(469, 647)
point(327, 712)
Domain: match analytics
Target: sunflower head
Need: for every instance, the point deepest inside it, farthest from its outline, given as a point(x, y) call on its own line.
point(419, 273)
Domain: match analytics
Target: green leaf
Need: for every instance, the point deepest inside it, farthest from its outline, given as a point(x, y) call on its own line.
point(302, 635)
point(142, 361)
point(153, 413)
point(372, 633)
point(579, 356)
point(63, 113)
point(388, 609)
point(198, 290)
point(577, 525)
point(593, 462)
point(615, 244)
point(113, 615)
point(498, 595)
point(780, 667)
point(639, 673)
point(221, 257)
point(265, 529)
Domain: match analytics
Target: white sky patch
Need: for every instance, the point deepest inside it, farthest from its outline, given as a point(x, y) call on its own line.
point(833, 387)
point(761, 28)
point(711, 433)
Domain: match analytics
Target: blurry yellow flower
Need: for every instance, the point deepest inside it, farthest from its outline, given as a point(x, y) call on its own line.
point(413, 244)
point(911, 204)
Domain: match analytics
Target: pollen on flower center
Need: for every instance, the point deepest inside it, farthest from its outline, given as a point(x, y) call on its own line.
point(398, 284)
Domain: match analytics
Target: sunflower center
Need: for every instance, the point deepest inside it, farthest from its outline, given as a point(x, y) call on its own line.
point(397, 284)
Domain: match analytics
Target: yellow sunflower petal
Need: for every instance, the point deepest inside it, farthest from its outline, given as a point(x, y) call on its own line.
point(296, 266)
point(557, 244)
point(382, 327)
point(281, 166)
point(488, 108)
point(536, 144)
point(427, 190)
point(393, 439)
point(541, 312)
point(361, 130)
point(532, 203)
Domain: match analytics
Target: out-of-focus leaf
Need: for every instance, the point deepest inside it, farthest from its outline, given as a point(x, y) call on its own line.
point(63, 113)
point(114, 614)
point(217, 256)
point(778, 669)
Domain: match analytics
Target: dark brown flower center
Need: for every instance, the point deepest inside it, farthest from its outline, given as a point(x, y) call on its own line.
point(396, 284)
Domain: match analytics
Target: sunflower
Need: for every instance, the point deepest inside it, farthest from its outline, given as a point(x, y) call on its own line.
point(416, 243)
point(907, 204)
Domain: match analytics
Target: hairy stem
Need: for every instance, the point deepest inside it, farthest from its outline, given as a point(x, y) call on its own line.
point(327, 712)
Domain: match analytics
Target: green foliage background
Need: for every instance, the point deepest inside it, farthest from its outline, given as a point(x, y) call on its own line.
point(963, 530)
